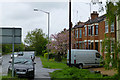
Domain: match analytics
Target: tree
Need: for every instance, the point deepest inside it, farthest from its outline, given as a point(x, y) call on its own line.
point(112, 11)
point(37, 40)
point(60, 42)
point(7, 48)
point(19, 47)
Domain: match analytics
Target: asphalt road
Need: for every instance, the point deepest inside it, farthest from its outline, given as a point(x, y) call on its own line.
point(40, 72)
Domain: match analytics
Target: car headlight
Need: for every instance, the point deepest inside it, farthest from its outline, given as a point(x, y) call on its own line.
point(30, 69)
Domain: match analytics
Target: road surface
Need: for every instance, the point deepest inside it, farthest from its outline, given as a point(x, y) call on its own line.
point(40, 72)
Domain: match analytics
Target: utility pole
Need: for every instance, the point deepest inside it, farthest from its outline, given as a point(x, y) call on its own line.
point(13, 52)
point(70, 24)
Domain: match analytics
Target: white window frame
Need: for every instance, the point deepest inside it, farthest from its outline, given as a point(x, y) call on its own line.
point(85, 30)
point(96, 30)
point(112, 46)
point(89, 28)
point(92, 33)
point(80, 33)
point(106, 27)
point(112, 27)
point(80, 44)
point(77, 33)
point(85, 45)
point(89, 43)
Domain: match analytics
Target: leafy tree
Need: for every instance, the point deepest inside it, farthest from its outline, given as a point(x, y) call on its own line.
point(36, 39)
point(112, 11)
point(7, 48)
point(19, 47)
point(59, 43)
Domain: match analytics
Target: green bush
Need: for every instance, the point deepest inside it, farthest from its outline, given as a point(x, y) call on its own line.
point(116, 77)
point(58, 58)
point(51, 56)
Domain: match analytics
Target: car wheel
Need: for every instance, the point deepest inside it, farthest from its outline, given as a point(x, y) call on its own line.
point(8, 71)
point(80, 66)
point(32, 76)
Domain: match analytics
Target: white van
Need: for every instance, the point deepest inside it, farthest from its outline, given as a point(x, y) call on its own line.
point(81, 58)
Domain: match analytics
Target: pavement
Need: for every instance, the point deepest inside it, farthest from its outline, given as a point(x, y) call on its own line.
point(40, 72)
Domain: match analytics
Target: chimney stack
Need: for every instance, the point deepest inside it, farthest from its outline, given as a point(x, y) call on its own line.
point(94, 15)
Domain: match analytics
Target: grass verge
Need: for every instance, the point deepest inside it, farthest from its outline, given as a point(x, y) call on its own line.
point(79, 74)
point(52, 64)
point(10, 78)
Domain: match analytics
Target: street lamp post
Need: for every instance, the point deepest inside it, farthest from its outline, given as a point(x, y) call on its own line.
point(48, 26)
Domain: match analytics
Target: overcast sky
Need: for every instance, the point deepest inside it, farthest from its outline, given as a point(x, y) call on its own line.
point(20, 13)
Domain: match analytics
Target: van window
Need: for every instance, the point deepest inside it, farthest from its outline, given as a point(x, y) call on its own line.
point(97, 55)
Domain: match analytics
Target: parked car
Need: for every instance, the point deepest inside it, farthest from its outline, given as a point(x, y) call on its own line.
point(20, 53)
point(16, 54)
point(29, 54)
point(24, 67)
point(83, 58)
point(0, 58)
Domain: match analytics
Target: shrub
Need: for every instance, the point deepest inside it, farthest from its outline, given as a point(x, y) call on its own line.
point(51, 56)
point(58, 58)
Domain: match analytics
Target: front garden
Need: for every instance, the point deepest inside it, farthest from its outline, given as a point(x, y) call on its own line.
point(67, 72)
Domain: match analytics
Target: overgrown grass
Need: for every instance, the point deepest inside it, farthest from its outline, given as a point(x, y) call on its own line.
point(53, 64)
point(77, 74)
point(10, 78)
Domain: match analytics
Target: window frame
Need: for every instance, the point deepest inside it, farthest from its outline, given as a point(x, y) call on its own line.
point(80, 33)
point(112, 46)
point(85, 30)
point(92, 30)
point(112, 27)
point(106, 27)
point(96, 29)
point(89, 30)
point(77, 33)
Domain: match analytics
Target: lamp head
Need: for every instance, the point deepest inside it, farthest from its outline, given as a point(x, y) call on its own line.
point(35, 9)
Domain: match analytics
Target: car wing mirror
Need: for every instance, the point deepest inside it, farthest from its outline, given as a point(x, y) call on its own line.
point(10, 61)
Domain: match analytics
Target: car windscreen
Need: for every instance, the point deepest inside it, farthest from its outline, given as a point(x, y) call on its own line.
point(28, 55)
point(22, 61)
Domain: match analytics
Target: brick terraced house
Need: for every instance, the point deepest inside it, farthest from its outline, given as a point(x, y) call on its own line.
point(90, 34)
